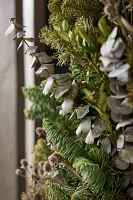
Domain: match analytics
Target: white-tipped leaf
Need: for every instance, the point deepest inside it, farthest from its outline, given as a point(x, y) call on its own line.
point(67, 106)
point(20, 45)
point(120, 141)
point(34, 62)
point(73, 91)
point(48, 85)
point(119, 71)
point(84, 126)
point(89, 139)
point(10, 29)
point(118, 48)
point(124, 123)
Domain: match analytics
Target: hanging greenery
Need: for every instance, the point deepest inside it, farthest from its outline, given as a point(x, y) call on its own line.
point(85, 149)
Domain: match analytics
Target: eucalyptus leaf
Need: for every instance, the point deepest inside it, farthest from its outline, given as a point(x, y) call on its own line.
point(119, 71)
point(113, 104)
point(126, 154)
point(109, 68)
point(124, 123)
point(34, 62)
point(20, 45)
point(118, 48)
point(67, 106)
point(114, 33)
point(48, 85)
point(118, 90)
point(20, 34)
point(118, 117)
point(10, 29)
point(73, 91)
point(120, 164)
point(106, 144)
point(126, 108)
point(43, 58)
point(107, 60)
point(84, 126)
point(124, 77)
point(89, 139)
point(82, 111)
point(30, 39)
point(31, 50)
point(62, 89)
point(61, 77)
point(98, 125)
point(120, 141)
point(45, 70)
point(128, 133)
point(107, 47)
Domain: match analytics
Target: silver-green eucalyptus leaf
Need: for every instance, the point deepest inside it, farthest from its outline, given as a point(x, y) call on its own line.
point(118, 48)
point(118, 117)
point(45, 70)
point(120, 141)
point(126, 108)
point(61, 77)
point(106, 144)
point(120, 164)
point(82, 111)
point(29, 39)
point(126, 154)
point(20, 45)
point(106, 60)
point(34, 62)
point(20, 34)
point(113, 104)
point(10, 29)
point(48, 85)
point(118, 90)
point(124, 123)
point(67, 106)
point(84, 126)
point(31, 50)
point(128, 134)
point(62, 89)
point(73, 91)
point(43, 58)
point(89, 139)
point(125, 77)
point(119, 71)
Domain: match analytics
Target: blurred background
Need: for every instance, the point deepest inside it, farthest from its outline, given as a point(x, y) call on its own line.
point(17, 135)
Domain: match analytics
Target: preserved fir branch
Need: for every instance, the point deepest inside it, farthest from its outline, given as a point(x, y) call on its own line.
point(99, 174)
point(43, 106)
point(63, 142)
point(54, 191)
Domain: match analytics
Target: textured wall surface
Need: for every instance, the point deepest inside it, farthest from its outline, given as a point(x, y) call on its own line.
point(8, 106)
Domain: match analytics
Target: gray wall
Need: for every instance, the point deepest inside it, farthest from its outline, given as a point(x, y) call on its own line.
point(8, 96)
